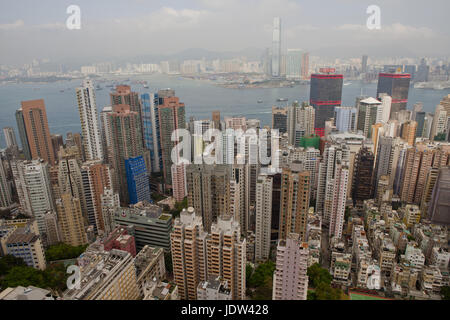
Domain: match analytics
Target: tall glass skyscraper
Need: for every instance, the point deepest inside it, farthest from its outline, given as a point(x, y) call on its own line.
point(137, 180)
point(276, 47)
point(150, 121)
point(395, 85)
point(325, 94)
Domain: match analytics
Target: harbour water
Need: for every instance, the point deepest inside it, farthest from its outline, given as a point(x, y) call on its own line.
point(200, 98)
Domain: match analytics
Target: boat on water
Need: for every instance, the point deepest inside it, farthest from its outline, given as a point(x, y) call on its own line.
point(347, 83)
point(282, 99)
point(259, 101)
point(145, 86)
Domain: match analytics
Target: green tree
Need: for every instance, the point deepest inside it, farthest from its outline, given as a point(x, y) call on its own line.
point(179, 206)
point(62, 251)
point(440, 137)
point(318, 275)
point(248, 273)
point(261, 273)
point(24, 276)
point(157, 197)
point(320, 280)
point(445, 292)
point(9, 261)
point(347, 213)
point(311, 295)
point(326, 292)
point(264, 292)
point(55, 276)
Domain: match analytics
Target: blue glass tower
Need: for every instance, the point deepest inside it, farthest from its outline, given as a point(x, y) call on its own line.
point(150, 120)
point(137, 180)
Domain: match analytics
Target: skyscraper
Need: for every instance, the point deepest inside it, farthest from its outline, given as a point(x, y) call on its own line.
point(70, 180)
point(290, 279)
point(90, 129)
point(208, 189)
point(362, 176)
point(179, 184)
point(294, 200)
point(37, 132)
point(137, 180)
point(276, 47)
point(23, 134)
point(439, 126)
point(367, 115)
point(124, 95)
point(418, 161)
point(33, 189)
point(334, 155)
point(226, 255)
point(345, 119)
point(279, 119)
point(395, 85)
point(57, 142)
point(96, 178)
point(409, 132)
point(263, 217)
point(420, 119)
point(325, 94)
point(387, 156)
point(10, 137)
point(300, 122)
point(339, 186)
point(171, 117)
point(422, 71)
point(216, 119)
point(439, 209)
point(71, 220)
point(197, 255)
point(105, 121)
point(364, 63)
point(305, 66)
point(126, 143)
point(5, 193)
point(189, 255)
point(150, 128)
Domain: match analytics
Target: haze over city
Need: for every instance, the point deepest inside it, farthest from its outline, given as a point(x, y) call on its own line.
point(136, 28)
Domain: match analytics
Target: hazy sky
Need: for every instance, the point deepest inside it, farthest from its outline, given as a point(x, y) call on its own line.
point(110, 28)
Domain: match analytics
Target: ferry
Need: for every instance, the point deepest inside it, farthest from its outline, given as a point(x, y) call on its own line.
point(282, 99)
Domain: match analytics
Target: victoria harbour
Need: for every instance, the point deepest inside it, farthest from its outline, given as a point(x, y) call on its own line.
point(200, 96)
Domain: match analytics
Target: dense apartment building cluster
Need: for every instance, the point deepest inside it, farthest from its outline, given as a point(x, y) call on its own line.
point(362, 190)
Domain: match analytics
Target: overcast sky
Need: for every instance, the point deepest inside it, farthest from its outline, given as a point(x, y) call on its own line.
point(110, 28)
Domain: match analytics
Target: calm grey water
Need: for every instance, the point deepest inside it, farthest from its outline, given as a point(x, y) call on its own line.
point(200, 98)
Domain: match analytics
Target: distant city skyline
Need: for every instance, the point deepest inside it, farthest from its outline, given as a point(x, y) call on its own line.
point(325, 28)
